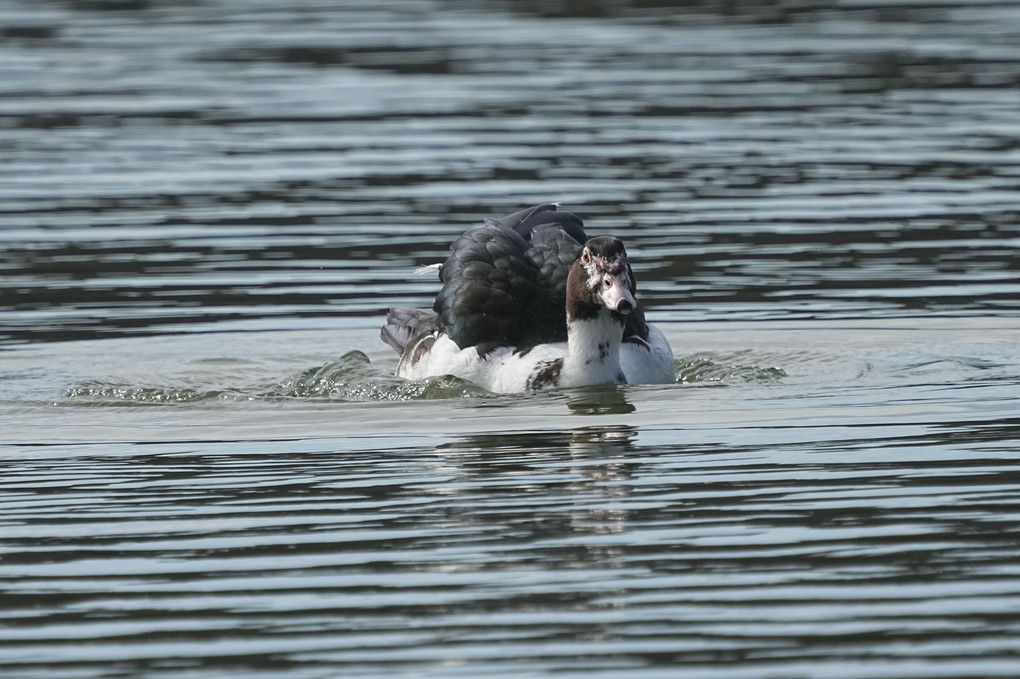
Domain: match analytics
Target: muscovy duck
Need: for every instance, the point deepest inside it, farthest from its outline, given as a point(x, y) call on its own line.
point(528, 302)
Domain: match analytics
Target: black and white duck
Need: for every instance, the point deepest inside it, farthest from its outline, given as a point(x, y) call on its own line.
point(529, 302)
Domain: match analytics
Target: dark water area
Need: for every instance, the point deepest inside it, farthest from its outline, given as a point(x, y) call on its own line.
point(185, 165)
point(208, 470)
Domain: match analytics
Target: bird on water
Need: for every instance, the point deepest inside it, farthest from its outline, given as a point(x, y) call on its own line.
point(529, 301)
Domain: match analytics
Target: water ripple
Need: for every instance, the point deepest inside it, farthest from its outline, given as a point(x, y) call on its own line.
point(209, 471)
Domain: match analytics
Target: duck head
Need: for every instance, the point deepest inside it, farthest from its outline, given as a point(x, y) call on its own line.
point(601, 278)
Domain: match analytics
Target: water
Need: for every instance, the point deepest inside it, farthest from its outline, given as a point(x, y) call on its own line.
point(208, 470)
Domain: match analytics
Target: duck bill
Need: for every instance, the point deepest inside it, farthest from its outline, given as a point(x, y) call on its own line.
point(616, 295)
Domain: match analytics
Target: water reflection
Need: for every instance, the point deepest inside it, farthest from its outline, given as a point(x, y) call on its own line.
point(602, 492)
point(754, 549)
point(599, 400)
point(594, 467)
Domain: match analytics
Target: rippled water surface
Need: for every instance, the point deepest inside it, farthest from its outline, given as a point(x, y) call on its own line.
point(208, 469)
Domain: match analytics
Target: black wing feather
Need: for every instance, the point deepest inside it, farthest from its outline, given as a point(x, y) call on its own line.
point(526, 220)
point(553, 251)
point(504, 283)
point(488, 284)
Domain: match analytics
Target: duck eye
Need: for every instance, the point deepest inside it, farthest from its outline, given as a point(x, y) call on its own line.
point(585, 257)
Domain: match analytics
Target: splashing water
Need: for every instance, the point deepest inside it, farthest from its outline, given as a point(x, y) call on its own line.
point(352, 377)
